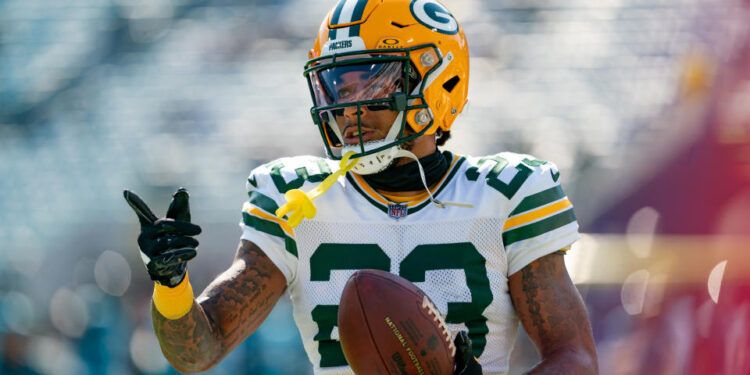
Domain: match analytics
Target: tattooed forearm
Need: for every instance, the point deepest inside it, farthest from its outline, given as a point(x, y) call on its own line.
point(225, 314)
point(189, 342)
point(531, 289)
point(239, 307)
point(553, 315)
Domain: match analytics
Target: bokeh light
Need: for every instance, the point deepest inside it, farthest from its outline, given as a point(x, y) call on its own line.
point(112, 273)
point(68, 312)
point(49, 355)
point(640, 231)
point(633, 292)
point(145, 352)
point(18, 312)
point(715, 279)
point(28, 257)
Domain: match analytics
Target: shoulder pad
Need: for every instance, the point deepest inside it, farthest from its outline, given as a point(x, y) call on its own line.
point(282, 175)
point(508, 172)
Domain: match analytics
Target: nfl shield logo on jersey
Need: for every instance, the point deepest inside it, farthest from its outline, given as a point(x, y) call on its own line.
point(397, 211)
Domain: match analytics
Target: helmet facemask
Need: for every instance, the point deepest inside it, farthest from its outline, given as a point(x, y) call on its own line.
point(343, 86)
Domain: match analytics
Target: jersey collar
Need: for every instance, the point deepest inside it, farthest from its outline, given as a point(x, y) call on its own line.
point(381, 202)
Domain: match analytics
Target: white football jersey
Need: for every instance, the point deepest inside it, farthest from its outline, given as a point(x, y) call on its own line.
point(461, 257)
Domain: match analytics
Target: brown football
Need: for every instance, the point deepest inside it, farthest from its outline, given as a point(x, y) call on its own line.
point(387, 325)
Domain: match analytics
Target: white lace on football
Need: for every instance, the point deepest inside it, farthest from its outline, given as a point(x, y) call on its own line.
point(408, 154)
point(438, 318)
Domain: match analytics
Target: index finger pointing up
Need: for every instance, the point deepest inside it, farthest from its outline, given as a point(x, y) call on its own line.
point(145, 216)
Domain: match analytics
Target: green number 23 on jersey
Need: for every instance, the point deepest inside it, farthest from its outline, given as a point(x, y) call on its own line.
point(460, 256)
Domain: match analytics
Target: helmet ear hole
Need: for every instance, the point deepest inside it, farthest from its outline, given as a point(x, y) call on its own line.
point(451, 83)
point(442, 137)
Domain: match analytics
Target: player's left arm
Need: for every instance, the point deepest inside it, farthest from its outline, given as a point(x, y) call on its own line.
point(554, 317)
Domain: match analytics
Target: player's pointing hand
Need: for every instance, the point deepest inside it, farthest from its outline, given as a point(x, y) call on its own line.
point(166, 244)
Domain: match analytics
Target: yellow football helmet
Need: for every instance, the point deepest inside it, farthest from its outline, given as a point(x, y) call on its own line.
point(408, 56)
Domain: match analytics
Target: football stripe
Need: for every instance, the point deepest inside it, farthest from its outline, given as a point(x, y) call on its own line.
point(539, 199)
point(291, 246)
point(359, 9)
point(539, 228)
point(537, 214)
point(250, 209)
point(264, 226)
point(347, 12)
point(335, 19)
point(369, 190)
point(337, 13)
point(379, 205)
point(271, 228)
point(262, 201)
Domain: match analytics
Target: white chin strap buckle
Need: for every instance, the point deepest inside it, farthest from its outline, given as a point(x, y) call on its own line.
point(376, 162)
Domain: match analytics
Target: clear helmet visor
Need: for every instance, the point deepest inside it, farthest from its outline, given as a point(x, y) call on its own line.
point(357, 83)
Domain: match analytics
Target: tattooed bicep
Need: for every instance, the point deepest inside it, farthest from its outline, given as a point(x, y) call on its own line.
point(249, 250)
point(548, 304)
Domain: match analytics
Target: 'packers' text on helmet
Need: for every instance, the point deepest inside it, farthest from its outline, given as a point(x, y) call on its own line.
point(407, 56)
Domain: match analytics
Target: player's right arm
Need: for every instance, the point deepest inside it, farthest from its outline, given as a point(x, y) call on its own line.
point(231, 308)
point(195, 334)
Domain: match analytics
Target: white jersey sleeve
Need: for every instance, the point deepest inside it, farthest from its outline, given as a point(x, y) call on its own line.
point(541, 219)
point(259, 222)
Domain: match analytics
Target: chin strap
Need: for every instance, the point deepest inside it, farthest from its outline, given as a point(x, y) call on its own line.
point(300, 203)
point(410, 155)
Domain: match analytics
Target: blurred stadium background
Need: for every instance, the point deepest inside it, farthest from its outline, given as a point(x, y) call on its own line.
point(644, 105)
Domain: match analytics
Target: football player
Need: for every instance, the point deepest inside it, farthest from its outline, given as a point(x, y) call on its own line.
point(484, 237)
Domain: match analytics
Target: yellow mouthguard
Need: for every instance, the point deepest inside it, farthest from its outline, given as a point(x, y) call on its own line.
point(299, 204)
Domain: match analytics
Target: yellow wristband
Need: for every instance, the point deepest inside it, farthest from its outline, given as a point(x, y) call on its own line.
point(175, 302)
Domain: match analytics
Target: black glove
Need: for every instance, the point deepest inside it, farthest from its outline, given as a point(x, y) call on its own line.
point(166, 244)
point(466, 364)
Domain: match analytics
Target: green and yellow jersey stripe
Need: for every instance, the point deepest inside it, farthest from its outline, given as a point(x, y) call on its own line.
point(265, 222)
point(538, 214)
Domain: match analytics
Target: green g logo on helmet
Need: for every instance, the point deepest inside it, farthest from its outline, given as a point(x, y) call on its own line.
point(433, 15)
